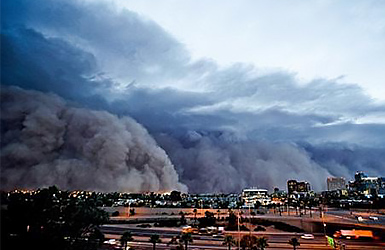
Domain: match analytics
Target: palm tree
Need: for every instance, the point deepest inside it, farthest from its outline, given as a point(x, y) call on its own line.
point(155, 239)
point(127, 236)
point(248, 241)
point(229, 241)
point(186, 238)
point(294, 242)
point(195, 214)
point(262, 243)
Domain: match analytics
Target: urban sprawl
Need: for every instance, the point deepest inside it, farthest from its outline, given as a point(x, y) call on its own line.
point(349, 215)
point(362, 192)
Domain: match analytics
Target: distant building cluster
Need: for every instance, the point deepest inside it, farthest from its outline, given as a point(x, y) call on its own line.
point(361, 186)
point(363, 191)
point(368, 186)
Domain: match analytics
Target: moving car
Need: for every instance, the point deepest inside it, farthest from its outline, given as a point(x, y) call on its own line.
point(307, 237)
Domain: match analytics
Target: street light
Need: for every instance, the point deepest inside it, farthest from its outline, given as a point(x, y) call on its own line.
point(128, 209)
point(239, 232)
point(324, 224)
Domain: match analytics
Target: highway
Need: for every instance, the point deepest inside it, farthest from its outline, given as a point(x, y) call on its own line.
point(275, 240)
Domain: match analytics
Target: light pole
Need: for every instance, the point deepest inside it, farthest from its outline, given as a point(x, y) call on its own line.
point(324, 224)
point(250, 221)
point(239, 233)
point(202, 208)
point(128, 209)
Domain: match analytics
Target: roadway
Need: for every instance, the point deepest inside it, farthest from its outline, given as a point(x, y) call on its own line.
point(275, 240)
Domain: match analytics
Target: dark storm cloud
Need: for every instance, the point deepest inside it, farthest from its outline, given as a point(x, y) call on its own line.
point(45, 142)
point(32, 61)
point(220, 162)
point(232, 121)
point(127, 46)
point(342, 159)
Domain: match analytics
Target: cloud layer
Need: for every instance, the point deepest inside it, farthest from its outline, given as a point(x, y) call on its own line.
point(234, 123)
point(45, 142)
point(221, 163)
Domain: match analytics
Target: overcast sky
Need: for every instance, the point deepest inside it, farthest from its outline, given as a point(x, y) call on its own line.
point(243, 89)
point(329, 39)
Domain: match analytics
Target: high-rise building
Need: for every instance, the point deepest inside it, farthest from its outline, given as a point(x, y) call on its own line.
point(298, 186)
point(291, 186)
point(303, 187)
point(336, 183)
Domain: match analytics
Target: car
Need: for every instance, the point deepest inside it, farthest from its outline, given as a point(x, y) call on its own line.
point(307, 237)
point(360, 219)
point(373, 218)
point(218, 236)
point(112, 242)
point(144, 225)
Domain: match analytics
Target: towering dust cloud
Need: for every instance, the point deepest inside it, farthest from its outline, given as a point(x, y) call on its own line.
point(221, 162)
point(46, 142)
point(224, 128)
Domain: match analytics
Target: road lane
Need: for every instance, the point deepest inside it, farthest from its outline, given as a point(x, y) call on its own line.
point(276, 240)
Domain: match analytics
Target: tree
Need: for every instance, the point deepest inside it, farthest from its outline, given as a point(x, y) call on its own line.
point(248, 241)
point(155, 239)
point(294, 242)
point(229, 241)
point(186, 238)
point(232, 221)
point(98, 237)
point(51, 217)
point(126, 237)
point(175, 196)
point(208, 220)
point(262, 243)
point(257, 204)
point(183, 220)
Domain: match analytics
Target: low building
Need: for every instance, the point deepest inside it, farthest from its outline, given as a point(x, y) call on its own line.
point(253, 196)
point(336, 183)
